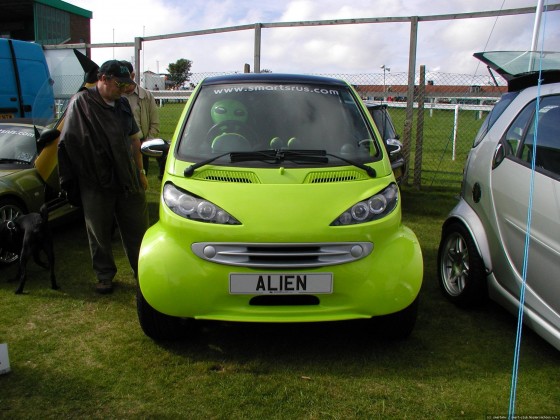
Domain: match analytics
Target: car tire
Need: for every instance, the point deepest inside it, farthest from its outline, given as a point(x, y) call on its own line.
point(398, 325)
point(9, 210)
point(159, 326)
point(461, 271)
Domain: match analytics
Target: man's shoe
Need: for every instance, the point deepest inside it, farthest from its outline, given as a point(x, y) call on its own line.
point(104, 287)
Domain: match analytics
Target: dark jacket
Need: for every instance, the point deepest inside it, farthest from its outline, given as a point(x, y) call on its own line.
point(95, 137)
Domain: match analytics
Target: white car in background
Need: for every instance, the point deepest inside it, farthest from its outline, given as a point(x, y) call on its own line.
point(483, 245)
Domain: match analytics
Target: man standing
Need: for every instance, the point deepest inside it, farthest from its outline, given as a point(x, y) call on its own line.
point(144, 108)
point(102, 141)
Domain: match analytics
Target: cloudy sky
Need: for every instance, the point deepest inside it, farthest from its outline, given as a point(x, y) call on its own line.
point(347, 49)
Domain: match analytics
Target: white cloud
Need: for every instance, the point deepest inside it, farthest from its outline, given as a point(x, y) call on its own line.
point(447, 46)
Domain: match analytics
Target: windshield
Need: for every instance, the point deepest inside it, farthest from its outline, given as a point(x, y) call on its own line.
point(383, 121)
point(515, 63)
point(67, 77)
point(248, 117)
point(17, 144)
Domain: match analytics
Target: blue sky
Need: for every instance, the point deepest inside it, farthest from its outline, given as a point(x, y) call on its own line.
point(349, 49)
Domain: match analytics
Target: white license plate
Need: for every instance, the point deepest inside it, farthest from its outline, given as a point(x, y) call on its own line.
point(287, 284)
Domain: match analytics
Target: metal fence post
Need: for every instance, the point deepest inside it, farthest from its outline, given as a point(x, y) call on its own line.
point(137, 49)
point(419, 128)
point(455, 127)
point(257, 63)
point(410, 93)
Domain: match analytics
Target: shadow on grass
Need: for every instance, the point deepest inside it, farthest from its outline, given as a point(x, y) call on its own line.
point(436, 348)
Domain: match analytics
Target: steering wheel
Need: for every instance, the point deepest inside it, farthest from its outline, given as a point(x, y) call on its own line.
point(232, 126)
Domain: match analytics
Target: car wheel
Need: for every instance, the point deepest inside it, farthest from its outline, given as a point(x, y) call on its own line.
point(159, 326)
point(9, 210)
point(399, 325)
point(461, 272)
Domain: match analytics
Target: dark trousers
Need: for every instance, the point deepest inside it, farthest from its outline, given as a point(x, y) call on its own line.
point(101, 208)
point(160, 161)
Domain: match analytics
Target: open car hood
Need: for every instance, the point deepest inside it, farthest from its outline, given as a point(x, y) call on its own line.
point(521, 69)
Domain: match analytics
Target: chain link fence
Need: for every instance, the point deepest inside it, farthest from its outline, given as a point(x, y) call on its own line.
point(448, 111)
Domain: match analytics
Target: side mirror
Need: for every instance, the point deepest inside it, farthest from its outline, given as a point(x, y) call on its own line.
point(47, 136)
point(393, 146)
point(155, 148)
point(499, 155)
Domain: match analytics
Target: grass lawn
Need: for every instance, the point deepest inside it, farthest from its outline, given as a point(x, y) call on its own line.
point(438, 168)
point(76, 354)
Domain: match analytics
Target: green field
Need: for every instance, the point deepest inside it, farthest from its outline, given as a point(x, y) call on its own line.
point(437, 166)
point(169, 115)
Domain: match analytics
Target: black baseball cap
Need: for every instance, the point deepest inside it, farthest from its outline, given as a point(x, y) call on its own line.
point(116, 69)
point(128, 65)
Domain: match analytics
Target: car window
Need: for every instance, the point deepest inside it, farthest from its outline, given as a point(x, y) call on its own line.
point(17, 143)
point(518, 130)
point(249, 117)
point(493, 116)
point(547, 155)
point(521, 135)
point(383, 122)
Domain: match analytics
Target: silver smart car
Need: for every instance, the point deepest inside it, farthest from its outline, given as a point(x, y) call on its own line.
point(506, 226)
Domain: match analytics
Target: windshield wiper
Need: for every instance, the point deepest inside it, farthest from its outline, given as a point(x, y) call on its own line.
point(369, 170)
point(279, 156)
point(307, 156)
point(12, 160)
point(190, 170)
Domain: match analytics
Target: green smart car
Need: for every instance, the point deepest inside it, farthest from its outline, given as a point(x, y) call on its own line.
point(278, 204)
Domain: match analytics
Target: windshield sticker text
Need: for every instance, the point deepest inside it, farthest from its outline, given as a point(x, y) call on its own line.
point(18, 133)
point(294, 88)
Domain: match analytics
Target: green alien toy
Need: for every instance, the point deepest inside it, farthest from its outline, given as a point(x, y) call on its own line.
point(230, 128)
point(228, 110)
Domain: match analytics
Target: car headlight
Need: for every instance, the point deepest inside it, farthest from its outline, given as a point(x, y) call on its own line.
point(375, 207)
point(195, 208)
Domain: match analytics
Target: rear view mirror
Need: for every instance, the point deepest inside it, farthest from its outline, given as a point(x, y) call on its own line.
point(393, 146)
point(47, 136)
point(155, 148)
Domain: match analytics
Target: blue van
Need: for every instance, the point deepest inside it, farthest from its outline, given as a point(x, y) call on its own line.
point(26, 89)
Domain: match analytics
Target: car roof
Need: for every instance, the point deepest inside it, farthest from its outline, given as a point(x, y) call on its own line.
point(522, 69)
point(375, 105)
point(274, 78)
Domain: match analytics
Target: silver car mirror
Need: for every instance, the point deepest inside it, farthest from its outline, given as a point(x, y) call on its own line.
point(155, 148)
point(394, 146)
point(499, 155)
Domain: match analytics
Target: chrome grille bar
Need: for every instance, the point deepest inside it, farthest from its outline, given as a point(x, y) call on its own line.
point(282, 255)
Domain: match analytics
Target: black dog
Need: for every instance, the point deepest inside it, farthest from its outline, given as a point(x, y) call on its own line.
point(26, 235)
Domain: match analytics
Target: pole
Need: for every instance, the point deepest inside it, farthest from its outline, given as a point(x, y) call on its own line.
point(257, 52)
point(137, 48)
point(407, 134)
point(536, 28)
point(455, 127)
point(417, 179)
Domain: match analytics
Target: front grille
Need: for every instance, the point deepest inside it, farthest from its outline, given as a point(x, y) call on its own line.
point(334, 176)
point(247, 177)
point(242, 177)
point(282, 256)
